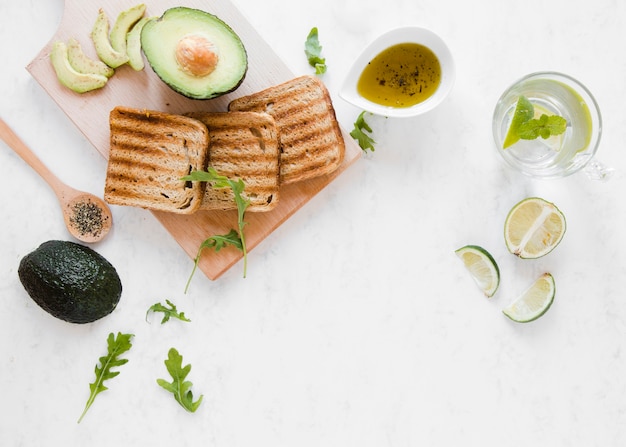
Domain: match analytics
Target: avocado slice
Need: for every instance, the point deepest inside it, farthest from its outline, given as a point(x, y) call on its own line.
point(195, 53)
point(83, 63)
point(68, 76)
point(70, 281)
point(133, 44)
point(123, 24)
point(100, 37)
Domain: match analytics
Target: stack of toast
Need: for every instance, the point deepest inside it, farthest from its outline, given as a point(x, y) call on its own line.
point(284, 134)
point(243, 145)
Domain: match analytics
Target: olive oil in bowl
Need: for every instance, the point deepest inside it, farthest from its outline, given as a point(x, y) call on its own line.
point(402, 75)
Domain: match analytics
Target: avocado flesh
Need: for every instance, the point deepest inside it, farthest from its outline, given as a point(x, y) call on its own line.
point(160, 39)
point(70, 281)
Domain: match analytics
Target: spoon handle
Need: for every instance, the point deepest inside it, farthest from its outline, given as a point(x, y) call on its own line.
point(15, 143)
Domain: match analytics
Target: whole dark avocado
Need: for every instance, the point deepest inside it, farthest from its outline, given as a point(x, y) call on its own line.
point(70, 281)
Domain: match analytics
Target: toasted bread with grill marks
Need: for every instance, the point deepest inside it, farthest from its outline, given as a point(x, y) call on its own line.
point(310, 139)
point(243, 145)
point(149, 153)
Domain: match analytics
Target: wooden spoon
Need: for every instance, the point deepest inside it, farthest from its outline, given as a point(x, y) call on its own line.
point(87, 217)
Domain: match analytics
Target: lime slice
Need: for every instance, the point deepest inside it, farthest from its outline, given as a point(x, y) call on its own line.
point(534, 302)
point(533, 228)
point(524, 111)
point(482, 267)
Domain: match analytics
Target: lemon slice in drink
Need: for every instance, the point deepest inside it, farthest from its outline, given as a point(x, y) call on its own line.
point(524, 111)
point(482, 267)
point(533, 228)
point(534, 302)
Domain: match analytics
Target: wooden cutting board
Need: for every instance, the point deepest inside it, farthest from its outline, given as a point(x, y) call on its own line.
point(90, 113)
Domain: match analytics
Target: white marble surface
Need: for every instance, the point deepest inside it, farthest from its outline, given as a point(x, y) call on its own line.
point(356, 325)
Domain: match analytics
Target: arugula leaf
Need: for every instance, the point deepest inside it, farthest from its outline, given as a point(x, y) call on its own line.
point(216, 180)
point(365, 141)
point(179, 387)
point(544, 127)
point(168, 312)
point(116, 346)
point(313, 51)
point(217, 243)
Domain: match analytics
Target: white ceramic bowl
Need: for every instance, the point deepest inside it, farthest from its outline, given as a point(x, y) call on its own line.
point(420, 36)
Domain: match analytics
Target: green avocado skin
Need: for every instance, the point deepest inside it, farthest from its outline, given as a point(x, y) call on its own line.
point(70, 281)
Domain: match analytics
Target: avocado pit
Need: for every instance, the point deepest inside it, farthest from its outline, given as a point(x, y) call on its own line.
point(196, 55)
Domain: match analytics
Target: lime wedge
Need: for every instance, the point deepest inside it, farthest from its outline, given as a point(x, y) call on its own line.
point(533, 228)
point(534, 302)
point(524, 111)
point(482, 267)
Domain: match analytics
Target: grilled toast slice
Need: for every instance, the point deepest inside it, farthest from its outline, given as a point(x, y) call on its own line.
point(310, 139)
point(149, 153)
point(243, 145)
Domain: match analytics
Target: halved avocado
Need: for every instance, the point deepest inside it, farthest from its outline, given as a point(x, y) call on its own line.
point(195, 53)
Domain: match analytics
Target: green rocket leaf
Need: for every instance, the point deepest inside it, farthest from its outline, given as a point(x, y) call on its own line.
point(116, 346)
point(168, 312)
point(215, 180)
point(179, 387)
point(359, 133)
point(313, 51)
